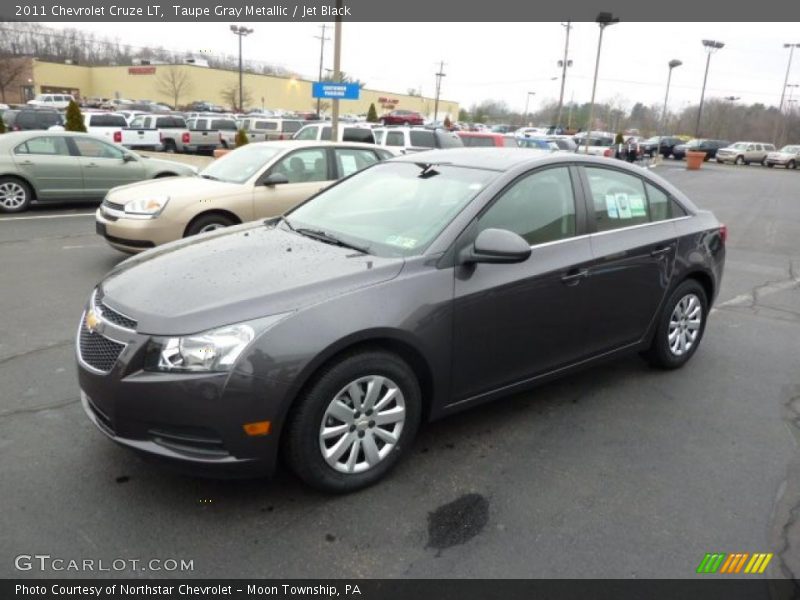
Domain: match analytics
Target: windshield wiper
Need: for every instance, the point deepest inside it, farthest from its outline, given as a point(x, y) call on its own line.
point(206, 176)
point(279, 219)
point(328, 238)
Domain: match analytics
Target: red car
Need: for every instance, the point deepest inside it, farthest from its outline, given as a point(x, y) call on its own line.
point(402, 117)
point(499, 140)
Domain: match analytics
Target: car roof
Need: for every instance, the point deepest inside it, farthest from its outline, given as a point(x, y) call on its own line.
point(503, 159)
point(292, 144)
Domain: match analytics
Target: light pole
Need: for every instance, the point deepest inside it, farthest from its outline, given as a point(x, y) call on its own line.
point(240, 31)
point(671, 64)
point(527, 98)
point(322, 39)
point(711, 46)
point(779, 116)
point(563, 64)
point(439, 76)
point(604, 19)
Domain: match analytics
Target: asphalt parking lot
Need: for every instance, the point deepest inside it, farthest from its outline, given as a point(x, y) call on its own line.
point(620, 471)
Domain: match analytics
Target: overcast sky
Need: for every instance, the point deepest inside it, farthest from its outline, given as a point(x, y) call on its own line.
point(504, 61)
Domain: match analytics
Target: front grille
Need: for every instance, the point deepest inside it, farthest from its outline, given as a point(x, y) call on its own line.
point(199, 442)
point(98, 351)
point(102, 417)
point(112, 316)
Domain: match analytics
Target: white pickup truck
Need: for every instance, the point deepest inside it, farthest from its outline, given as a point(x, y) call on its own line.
point(114, 128)
point(171, 129)
point(205, 134)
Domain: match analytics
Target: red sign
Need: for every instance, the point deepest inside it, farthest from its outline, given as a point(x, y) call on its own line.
point(388, 101)
point(141, 70)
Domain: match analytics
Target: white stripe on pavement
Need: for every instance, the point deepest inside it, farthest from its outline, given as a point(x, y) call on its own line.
point(47, 217)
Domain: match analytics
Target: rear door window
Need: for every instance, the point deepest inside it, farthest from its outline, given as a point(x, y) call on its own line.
point(423, 139)
point(395, 138)
point(619, 199)
point(351, 160)
point(44, 146)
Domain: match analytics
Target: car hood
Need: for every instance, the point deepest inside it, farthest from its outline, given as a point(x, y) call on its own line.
point(780, 155)
point(174, 187)
point(236, 274)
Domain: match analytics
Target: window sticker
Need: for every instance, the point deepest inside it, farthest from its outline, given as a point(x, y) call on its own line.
point(637, 206)
point(611, 206)
point(623, 206)
point(400, 241)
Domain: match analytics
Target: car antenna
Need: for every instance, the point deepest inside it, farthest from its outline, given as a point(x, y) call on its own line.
point(427, 170)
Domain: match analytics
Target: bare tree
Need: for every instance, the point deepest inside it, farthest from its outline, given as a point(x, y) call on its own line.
point(11, 70)
point(231, 97)
point(173, 82)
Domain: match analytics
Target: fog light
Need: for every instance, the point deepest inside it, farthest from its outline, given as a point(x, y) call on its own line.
point(257, 428)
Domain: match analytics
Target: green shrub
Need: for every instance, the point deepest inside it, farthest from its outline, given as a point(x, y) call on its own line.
point(241, 138)
point(372, 114)
point(74, 118)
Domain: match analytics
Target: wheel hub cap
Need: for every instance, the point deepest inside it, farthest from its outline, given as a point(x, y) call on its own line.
point(12, 195)
point(684, 324)
point(362, 424)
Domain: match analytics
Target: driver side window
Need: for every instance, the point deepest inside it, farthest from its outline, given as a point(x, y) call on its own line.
point(540, 207)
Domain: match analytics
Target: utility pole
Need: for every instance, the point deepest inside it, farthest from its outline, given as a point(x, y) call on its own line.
point(439, 76)
point(240, 31)
point(564, 64)
point(779, 118)
point(337, 73)
point(322, 39)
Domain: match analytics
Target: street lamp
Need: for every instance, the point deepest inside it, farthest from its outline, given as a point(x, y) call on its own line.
point(240, 31)
point(672, 64)
point(791, 48)
point(711, 46)
point(604, 19)
point(563, 64)
point(527, 98)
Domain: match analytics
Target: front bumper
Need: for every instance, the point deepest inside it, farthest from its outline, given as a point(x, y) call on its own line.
point(189, 421)
point(135, 235)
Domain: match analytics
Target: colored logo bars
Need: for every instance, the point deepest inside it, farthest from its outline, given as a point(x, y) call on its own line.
point(742, 562)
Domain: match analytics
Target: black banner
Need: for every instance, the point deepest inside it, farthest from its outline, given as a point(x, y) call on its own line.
point(389, 11)
point(408, 589)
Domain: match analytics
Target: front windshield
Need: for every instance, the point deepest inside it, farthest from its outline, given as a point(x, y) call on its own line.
point(394, 208)
point(694, 143)
point(739, 146)
point(791, 149)
point(241, 164)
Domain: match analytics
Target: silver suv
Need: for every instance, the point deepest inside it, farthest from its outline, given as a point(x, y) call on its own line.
point(744, 153)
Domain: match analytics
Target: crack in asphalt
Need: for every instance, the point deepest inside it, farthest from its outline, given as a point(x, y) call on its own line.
point(751, 301)
point(39, 408)
point(11, 357)
point(792, 407)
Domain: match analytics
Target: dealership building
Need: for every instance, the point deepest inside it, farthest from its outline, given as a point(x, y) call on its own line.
point(160, 82)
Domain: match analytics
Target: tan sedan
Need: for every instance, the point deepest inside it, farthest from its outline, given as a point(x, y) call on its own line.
point(255, 181)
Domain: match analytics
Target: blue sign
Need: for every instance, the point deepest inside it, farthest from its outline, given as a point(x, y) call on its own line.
point(328, 89)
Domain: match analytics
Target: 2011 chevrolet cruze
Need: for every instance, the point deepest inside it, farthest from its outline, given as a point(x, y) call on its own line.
point(411, 290)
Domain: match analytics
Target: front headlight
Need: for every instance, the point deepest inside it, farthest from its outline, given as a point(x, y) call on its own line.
point(146, 207)
point(213, 350)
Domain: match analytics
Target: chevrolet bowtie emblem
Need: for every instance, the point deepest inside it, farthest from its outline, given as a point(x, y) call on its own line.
point(92, 321)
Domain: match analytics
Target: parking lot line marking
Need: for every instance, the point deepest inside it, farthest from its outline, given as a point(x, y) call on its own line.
point(47, 217)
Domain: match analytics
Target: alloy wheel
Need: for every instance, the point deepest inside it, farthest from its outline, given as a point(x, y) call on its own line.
point(362, 424)
point(12, 195)
point(684, 324)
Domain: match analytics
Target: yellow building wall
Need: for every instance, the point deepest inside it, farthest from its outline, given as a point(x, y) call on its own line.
point(210, 85)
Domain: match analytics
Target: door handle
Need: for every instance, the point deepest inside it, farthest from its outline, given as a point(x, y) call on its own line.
point(574, 276)
point(27, 163)
point(91, 165)
point(660, 251)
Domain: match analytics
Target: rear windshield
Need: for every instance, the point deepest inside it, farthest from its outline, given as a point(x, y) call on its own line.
point(223, 124)
point(477, 141)
point(291, 126)
point(424, 139)
point(40, 120)
point(358, 134)
point(107, 121)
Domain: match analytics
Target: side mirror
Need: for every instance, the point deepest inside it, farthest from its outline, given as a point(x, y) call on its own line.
point(275, 179)
point(128, 158)
point(496, 246)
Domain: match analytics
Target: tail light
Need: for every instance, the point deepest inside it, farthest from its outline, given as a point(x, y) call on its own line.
point(161, 136)
point(185, 137)
point(280, 137)
point(608, 152)
point(117, 137)
point(723, 233)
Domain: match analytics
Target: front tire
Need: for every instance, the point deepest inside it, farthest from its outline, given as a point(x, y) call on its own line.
point(739, 160)
point(680, 327)
point(206, 223)
point(15, 195)
point(354, 423)
point(791, 165)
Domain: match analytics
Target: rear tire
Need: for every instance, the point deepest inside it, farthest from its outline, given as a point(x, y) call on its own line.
point(680, 327)
point(170, 147)
point(328, 416)
point(15, 195)
point(208, 222)
point(770, 165)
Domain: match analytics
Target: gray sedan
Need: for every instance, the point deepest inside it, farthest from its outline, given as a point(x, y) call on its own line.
point(60, 166)
point(411, 290)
